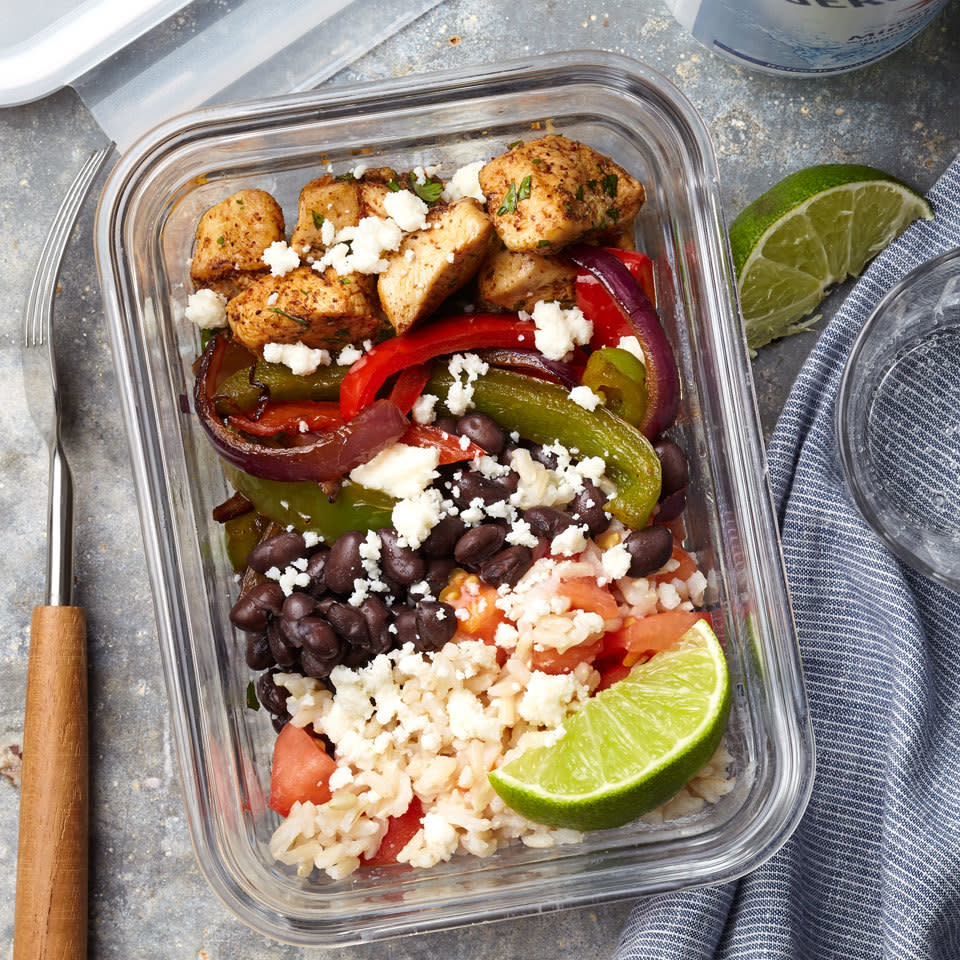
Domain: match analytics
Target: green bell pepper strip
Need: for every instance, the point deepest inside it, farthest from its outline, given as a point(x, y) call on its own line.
point(238, 393)
point(621, 381)
point(544, 413)
point(242, 535)
point(305, 506)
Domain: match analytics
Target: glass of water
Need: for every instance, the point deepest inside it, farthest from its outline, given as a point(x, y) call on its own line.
point(898, 419)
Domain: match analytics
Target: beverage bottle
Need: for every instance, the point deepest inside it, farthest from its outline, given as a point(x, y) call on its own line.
point(805, 38)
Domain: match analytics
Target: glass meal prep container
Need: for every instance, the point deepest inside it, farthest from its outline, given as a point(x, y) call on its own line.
point(144, 236)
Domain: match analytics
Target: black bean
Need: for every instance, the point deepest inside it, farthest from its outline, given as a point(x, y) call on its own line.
point(322, 649)
point(443, 537)
point(671, 507)
point(438, 573)
point(436, 624)
point(344, 564)
point(316, 566)
point(673, 465)
point(405, 621)
point(253, 610)
point(349, 623)
point(284, 652)
point(298, 605)
point(548, 459)
point(377, 615)
point(403, 564)
point(507, 567)
point(547, 521)
point(587, 507)
point(479, 544)
point(277, 551)
point(280, 720)
point(649, 549)
point(473, 485)
point(484, 431)
point(272, 697)
point(447, 425)
point(258, 653)
point(509, 481)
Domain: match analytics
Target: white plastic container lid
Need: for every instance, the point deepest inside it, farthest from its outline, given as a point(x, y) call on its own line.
point(136, 63)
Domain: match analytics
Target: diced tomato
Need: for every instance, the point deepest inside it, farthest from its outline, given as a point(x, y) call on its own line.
point(287, 415)
point(400, 831)
point(686, 569)
point(467, 592)
point(301, 770)
point(646, 635)
point(609, 677)
point(552, 661)
point(448, 445)
point(609, 323)
point(409, 385)
point(585, 593)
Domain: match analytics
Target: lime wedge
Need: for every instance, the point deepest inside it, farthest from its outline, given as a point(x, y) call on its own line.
point(632, 746)
point(813, 229)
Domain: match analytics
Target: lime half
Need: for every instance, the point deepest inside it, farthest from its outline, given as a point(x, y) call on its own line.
point(813, 229)
point(632, 746)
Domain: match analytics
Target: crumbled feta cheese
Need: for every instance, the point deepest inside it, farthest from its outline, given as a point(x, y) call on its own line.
point(570, 541)
point(300, 358)
point(311, 539)
point(592, 468)
point(408, 254)
point(205, 308)
point(348, 356)
point(292, 577)
point(451, 256)
point(584, 397)
point(423, 408)
point(415, 517)
point(474, 513)
point(559, 330)
point(460, 395)
point(327, 232)
point(632, 345)
point(359, 170)
point(272, 299)
point(490, 467)
point(400, 470)
point(520, 535)
point(406, 209)
point(465, 182)
point(464, 442)
point(615, 561)
point(280, 258)
point(545, 699)
point(359, 249)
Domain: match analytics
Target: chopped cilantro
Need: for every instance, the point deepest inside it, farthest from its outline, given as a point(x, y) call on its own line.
point(428, 191)
point(524, 190)
point(393, 186)
point(318, 219)
point(240, 201)
point(346, 176)
point(289, 316)
point(544, 243)
point(610, 184)
point(592, 184)
point(220, 240)
point(536, 161)
point(514, 145)
point(579, 193)
point(343, 279)
point(252, 702)
point(614, 214)
point(509, 204)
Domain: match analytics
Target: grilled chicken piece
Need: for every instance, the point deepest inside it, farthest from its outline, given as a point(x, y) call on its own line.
point(516, 281)
point(323, 199)
point(551, 192)
point(231, 238)
point(434, 263)
point(311, 307)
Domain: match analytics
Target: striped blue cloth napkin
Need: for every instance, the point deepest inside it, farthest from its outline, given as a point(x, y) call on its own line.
point(873, 870)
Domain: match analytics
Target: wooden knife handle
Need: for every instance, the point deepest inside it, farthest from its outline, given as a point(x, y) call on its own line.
point(51, 909)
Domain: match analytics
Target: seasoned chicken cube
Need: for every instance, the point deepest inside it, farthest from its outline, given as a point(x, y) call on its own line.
point(434, 263)
point(516, 281)
point(551, 192)
point(231, 238)
point(317, 309)
point(320, 200)
point(373, 187)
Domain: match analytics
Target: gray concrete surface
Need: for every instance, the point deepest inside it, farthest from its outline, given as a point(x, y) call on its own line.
point(148, 899)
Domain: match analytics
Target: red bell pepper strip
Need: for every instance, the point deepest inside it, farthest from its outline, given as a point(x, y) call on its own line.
point(609, 323)
point(409, 385)
point(422, 435)
point(450, 335)
point(285, 416)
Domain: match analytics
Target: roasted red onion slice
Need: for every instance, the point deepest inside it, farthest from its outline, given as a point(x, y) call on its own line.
point(532, 362)
point(663, 381)
point(332, 454)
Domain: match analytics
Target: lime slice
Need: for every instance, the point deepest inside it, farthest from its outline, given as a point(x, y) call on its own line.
point(632, 746)
point(813, 229)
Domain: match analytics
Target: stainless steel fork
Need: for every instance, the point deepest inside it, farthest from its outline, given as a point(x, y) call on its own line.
point(51, 909)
